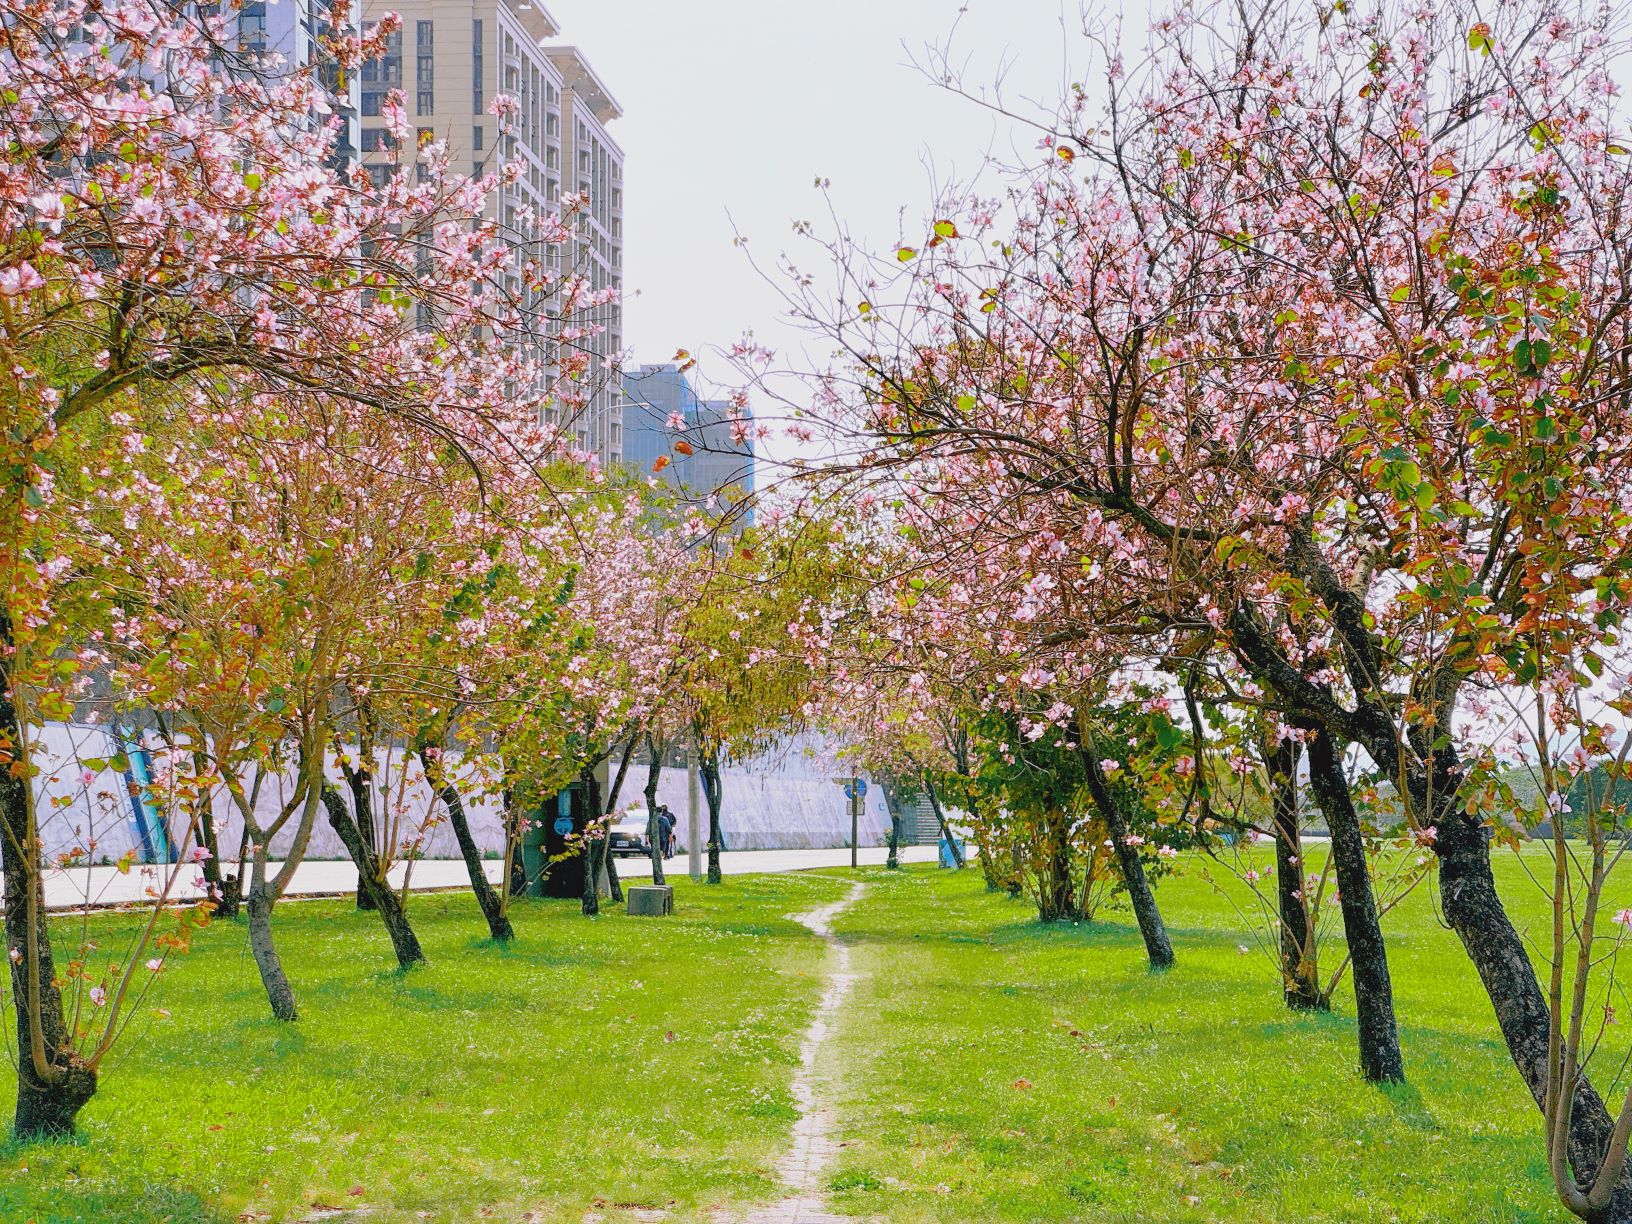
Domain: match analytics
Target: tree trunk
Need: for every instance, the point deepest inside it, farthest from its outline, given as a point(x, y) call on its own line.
point(1056, 895)
point(232, 888)
point(1300, 966)
point(514, 816)
point(1380, 1060)
point(946, 829)
point(654, 839)
point(358, 780)
point(892, 860)
point(708, 769)
point(209, 838)
point(370, 880)
point(1158, 949)
point(279, 993)
point(1467, 888)
point(498, 922)
point(595, 847)
point(1474, 910)
point(49, 1097)
point(614, 885)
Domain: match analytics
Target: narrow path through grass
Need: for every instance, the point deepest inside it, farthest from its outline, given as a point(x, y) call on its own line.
point(812, 1148)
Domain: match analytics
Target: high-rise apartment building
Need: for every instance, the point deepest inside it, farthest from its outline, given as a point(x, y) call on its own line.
point(274, 37)
point(449, 60)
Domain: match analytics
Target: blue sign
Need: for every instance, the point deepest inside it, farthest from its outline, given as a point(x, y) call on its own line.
point(855, 789)
point(563, 825)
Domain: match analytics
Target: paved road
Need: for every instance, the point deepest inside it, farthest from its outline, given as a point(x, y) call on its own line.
point(106, 886)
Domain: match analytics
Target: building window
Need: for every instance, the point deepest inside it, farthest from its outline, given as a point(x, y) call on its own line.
point(476, 137)
point(382, 74)
point(479, 104)
point(380, 175)
point(425, 66)
point(376, 140)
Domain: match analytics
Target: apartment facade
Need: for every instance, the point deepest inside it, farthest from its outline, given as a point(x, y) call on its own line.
point(450, 59)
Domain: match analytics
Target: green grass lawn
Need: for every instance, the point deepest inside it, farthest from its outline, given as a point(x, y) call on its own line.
point(489, 1083)
point(1001, 1070)
point(993, 1070)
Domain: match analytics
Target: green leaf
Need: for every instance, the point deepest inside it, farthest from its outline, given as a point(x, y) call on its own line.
point(906, 254)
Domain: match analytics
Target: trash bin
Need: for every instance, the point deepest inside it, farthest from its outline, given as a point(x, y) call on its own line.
point(555, 876)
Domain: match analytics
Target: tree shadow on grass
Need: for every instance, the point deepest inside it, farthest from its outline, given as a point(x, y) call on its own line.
point(279, 1037)
point(1409, 1107)
point(77, 1205)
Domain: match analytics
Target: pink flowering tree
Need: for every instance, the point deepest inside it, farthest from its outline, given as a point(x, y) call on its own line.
point(180, 259)
point(1313, 329)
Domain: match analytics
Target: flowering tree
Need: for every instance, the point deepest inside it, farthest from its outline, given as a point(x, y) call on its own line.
point(178, 255)
point(1313, 335)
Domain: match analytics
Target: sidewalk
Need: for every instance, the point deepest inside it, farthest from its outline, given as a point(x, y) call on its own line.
point(66, 890)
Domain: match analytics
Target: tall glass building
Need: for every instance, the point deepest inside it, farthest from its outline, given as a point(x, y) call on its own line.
point(661, 407)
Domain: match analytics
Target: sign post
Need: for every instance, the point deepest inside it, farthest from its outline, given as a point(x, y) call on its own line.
point(855, 790)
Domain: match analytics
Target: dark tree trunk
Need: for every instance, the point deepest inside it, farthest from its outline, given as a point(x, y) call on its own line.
point(492, 905)
point(1158, 949)
point(708, 770)
point(1467, 888)
point(1475, 912)
point(48, 1104)
point(209, 838)
point(595, 848)
point(1300, 985)
point(381, 896)
point(361, 804)
point(279, 993)
point(513, 834)
point(1380, 1060)
point(654, 836)
point(614, 885)
point(1056, 894)
point(232, 888)
point(892, 860)
point(946, 829)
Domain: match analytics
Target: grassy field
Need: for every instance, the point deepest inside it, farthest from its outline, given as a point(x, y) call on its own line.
point(994, 1070)
point(487, 1084)
point(999, 1070)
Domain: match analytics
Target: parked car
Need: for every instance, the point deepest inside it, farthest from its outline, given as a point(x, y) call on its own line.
point(628, 835)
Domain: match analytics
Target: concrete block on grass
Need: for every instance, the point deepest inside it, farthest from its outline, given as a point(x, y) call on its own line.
point(651, 900)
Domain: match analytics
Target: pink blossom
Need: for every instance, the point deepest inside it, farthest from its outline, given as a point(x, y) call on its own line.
point(23, 278)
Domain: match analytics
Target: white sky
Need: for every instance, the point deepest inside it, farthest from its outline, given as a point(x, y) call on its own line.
point(739, 105)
